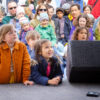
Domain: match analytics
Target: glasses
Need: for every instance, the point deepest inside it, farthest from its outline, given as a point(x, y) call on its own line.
point(12, 8)
point(42, 9)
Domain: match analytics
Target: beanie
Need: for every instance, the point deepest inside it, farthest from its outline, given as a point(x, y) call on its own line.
point(20, 10)
point(24, 20)
point(66, 6)
point(43, 16)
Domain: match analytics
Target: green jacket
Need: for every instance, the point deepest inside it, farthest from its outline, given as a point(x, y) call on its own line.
point(47, 33)
point(7, 19)
point(97, 34)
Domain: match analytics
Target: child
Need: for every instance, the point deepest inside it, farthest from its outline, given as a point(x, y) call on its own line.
point(81, 33)
point(14, 58)
point(45, 30)
point(63, 28)
point(31, 38)
point(50, 10)
point(87, 9)
point(82, 21)
point(48, 70)
point(25, 27)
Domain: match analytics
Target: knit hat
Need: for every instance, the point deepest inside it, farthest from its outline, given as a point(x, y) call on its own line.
point(20, 10)
point(66, 6)
point(43, 16)
point(60, 9)
point(24, 20)
point(91, 16)
point(31, 6)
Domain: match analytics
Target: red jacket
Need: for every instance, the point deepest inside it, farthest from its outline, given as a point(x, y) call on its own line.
point(96, 8)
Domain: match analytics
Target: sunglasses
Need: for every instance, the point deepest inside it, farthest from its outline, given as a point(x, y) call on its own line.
point(12, 8)
point(42, 9)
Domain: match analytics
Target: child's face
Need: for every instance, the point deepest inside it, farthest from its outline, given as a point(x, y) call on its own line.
point(82, 35)
point(26, 27)
point(31, 42)
point(50, 12)
point(60, 14)
point(47, 50)
point(11, 37)
point(20, 15)
point(82, 22)
point(44, 23)
point(87, 10)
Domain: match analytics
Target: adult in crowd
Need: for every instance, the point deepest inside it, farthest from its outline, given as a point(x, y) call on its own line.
point(11, 12)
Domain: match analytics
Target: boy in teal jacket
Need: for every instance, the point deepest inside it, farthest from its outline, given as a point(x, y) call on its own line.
point(45, 30)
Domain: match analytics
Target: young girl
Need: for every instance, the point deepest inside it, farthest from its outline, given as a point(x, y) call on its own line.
point(45, 30)
point(87, 9)
point(82, 21)
point(80, 33)
point(14, 58)
point(48, 70)
point(25, 27)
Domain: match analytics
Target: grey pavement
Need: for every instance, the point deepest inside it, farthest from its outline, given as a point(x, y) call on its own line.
point(65, 91)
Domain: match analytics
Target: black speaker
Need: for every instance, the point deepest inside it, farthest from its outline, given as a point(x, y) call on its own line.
point(83, 61)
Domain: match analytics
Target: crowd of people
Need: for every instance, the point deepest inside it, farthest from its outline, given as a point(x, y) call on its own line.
point(34, 38)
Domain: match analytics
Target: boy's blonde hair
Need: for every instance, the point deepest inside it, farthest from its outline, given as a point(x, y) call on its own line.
point(32, 35)
point(4, 29)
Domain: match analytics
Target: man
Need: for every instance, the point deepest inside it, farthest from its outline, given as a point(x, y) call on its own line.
point(11, 12)
point(75, 10)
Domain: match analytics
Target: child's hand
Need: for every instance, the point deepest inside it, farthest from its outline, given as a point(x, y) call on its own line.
point(62, 35)
point(28, 83)
point(54, 81)
point(33, 62)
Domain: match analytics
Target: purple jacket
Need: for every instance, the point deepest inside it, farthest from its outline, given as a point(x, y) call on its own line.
point(73, 28)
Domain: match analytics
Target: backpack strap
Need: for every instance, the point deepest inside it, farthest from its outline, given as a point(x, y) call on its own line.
point(94, 4)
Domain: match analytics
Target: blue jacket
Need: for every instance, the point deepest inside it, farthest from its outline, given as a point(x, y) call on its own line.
point(67, 28)
point(38, 72)
point(31, 52)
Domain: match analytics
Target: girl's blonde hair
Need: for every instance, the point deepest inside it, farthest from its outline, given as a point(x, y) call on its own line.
point(88, 21)
point(37, 10)
point(4, 29)
point(38, 48)
point(28, 12)
point(76, 32)
point(98, 27)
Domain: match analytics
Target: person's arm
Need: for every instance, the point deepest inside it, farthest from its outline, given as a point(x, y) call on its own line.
point(25, 65)
point(37, 77)
point(53, 36)
point(5, 20)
